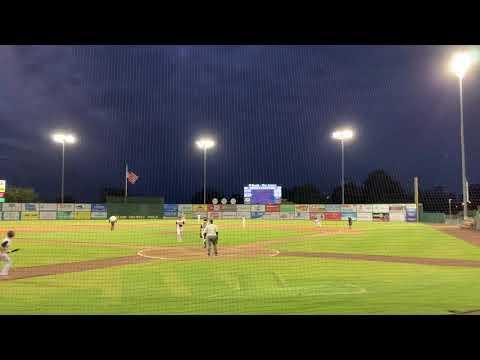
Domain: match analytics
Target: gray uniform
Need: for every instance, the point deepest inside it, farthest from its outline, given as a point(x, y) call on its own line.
point(211, 232)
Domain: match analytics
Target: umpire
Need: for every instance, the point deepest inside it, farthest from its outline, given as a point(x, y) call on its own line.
point(211, 234)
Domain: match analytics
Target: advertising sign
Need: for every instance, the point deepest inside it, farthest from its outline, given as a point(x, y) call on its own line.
point(332, 215)
point(184, 208)
point(229, 215)
point(301, 208)
point(98, 215)
point(270, 208)
point(364, 216)
point(47, 207)
point(229, 208)
point(30, 215)
point(11, 215)
point(397, 208)
point(11, 207)
point(65, 215)
point(214, 207)
point(411, 214)
point(257, 214)
point(29, 207)
point(315, 215)
point(65, 207)
point(287, 208)
point(348, 208)
point(397, 216)
point(170, 210)
point(333, 208)
point(83, 207)
point(3, 186)
point(380, 216)
point(381, 208)
point(82, 215)
point(364, 208)
point(257, 208)
point(99, 208)
point(316, 207)
point(48, 215)
point(199, 208)
point(245, 214)
point(243, 208)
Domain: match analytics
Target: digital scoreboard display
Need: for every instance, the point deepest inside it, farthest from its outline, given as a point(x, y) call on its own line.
point(262, 194)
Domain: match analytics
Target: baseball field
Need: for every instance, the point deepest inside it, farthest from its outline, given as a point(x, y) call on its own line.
point(268, 267)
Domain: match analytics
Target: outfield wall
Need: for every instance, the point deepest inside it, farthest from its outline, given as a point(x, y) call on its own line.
point(325, 212)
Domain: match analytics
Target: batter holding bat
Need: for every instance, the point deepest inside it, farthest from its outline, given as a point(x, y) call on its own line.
point(4, 251)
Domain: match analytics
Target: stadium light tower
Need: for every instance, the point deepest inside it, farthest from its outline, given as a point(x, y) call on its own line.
point(342, 135)
point(204, 144)
point(63, 139)
point(459, 65)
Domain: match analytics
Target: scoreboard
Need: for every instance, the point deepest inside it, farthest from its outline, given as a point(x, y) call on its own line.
point(262, 194)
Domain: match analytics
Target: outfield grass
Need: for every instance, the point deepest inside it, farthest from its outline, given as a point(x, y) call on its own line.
point(268, 285)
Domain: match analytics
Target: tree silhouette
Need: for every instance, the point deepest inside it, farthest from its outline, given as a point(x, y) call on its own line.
point(380, 187)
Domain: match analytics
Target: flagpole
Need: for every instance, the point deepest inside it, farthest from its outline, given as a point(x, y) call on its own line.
point(126, 182)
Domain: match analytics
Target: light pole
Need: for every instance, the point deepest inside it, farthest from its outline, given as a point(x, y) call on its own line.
point(450, 207)
point(204, 144)
point(342, 135)
point(459, 66)
point(63, 139)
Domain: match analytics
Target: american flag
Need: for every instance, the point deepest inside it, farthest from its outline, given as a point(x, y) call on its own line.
point(132, 177)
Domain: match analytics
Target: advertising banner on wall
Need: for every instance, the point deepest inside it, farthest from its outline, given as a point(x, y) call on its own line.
point(364, 208)
point(65, 207)
point(98, 215)
point(48, 215)
point(243, 208)
point(315, 215)
point(287, 215)
point(257, 208)
point(47, 207)
point(65, 215)
point(351, 215)
point(12, 207)
point(30, 215)
point(11, 215)
point(184, 208)
point(245, 214)
point(272, 208)
point(257, 214)
point(333, 208)
point(83, 207)
point(381, 208)
point(302, 215)
point(411, 214)
point(287, 208)
point(214, 215)
point(348, 208)
point(170, 210)
point(380, 216)
point(29, 207)
point(3, 185)
point(316, 208)
point(229, 208)
point(202, 208)
point(215, 208)
point(99, 208)
point(332, 215)
point(82, 215)
point(272, 216)
point(397, 207)
point(301, 208)
point(364, 216)
point(229, 215)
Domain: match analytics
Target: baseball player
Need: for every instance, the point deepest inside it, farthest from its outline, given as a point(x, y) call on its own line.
point(202, 234)
point(4, 250)
point(211, 233)
point(318, 221)
point(180, 223)
point(112, 220)
point(349, 222)
point(243, 222)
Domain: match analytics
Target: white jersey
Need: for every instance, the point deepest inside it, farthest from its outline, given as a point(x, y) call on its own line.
point(210, 230)
point(180, 224)
point(112, 219)
point(5, 245)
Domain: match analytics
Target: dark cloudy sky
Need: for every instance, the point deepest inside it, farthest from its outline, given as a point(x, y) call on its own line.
point(271, 110)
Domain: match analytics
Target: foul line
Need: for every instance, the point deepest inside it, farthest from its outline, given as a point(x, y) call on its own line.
point(140, 253)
